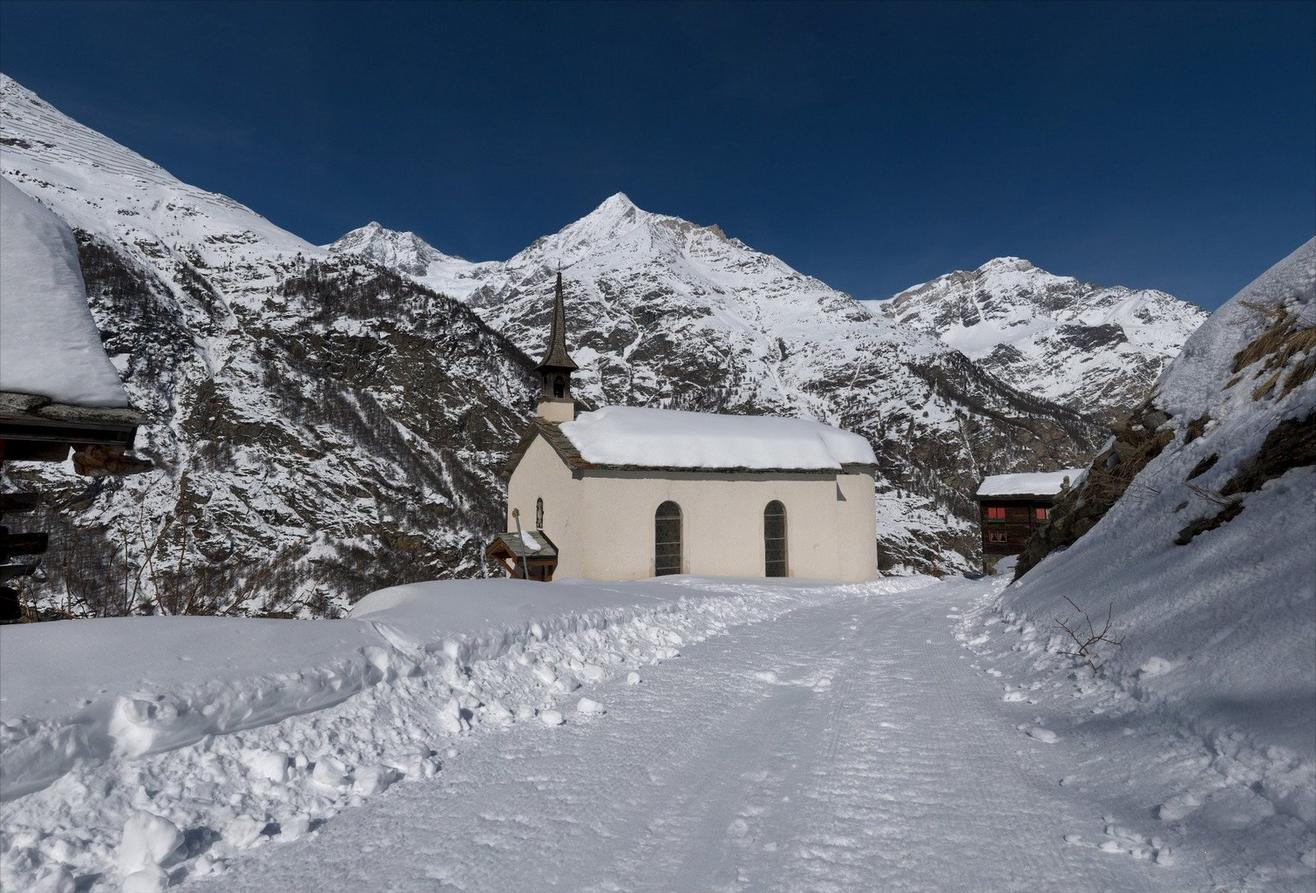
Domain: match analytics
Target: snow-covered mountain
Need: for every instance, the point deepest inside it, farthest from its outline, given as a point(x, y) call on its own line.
point(664, 312)
point(408, 254)
point(324, 423)
point(319, 426)
point(1093, 348)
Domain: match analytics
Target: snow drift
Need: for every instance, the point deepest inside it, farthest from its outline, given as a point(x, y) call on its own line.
point(1206, 561)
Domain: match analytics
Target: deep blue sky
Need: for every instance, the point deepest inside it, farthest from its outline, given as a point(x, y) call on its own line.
point(874, 146)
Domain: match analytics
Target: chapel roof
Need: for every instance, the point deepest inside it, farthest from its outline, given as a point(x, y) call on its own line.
point(556, 356)
point(629, 438)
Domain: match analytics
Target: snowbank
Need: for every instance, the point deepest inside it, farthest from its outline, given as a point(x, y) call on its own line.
point(630, 435)
point(49, 344)
point(1206, 561)
point(238, 732)
point(1047, 483)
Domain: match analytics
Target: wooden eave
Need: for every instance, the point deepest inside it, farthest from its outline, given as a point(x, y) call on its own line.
point(579, 465)
point(512, 545)
point(1019, 497)
point(32, 417)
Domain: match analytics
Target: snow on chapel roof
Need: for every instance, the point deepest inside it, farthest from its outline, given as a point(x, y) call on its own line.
point(668, 438)
point(1042, 483)
point(49, 344)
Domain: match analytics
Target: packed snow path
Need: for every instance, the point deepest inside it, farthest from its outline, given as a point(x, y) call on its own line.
point(849, 746)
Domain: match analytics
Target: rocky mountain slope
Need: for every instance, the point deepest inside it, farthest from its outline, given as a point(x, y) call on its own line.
point(1093, 348)
point(663, 312)
point(324, 423)
point(313, 422)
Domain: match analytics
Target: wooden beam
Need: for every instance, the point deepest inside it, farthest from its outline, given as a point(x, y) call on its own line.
point(22, 543)
point(10, 571)
point(19, 502)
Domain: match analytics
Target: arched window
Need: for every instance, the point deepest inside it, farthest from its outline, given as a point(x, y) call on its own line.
point(667, 539)
point(559, 386)
point(539, 513)
point(774, 540)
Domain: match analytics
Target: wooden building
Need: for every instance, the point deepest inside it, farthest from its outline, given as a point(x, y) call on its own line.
point(1012, 506)
point(59, 393)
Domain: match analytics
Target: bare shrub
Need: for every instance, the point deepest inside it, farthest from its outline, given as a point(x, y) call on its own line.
point(1087, 646)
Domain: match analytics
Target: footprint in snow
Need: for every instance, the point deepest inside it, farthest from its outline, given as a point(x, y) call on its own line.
point(1046, 736)
point(766, 676)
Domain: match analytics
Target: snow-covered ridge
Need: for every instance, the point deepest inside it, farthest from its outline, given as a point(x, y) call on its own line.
point(194, 733)
point(97, 185)
point(48, 341)
point(628, 435)
point(1093, 348)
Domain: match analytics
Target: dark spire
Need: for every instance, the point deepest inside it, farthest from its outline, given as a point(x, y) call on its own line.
point(556, 357)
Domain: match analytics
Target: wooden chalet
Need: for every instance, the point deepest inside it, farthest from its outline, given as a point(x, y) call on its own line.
point(59, 392)
point(1012, 506)
point(37, 429)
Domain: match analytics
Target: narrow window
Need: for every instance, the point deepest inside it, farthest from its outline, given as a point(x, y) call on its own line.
point(774, 539)
point(559, 387)
point(539, 513)
point(996, 513)
point(1040, 513)
point(667, 539)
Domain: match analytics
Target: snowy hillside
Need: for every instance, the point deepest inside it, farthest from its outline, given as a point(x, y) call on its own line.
point(319, 428)
point(1092, 348)
point(1205, 561)
point(663, 312)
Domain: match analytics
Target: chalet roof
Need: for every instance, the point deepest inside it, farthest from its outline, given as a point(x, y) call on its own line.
point(49, 343)
point(616, 438)
point(556, 356)
point(34, 417)
point(527, 544)
point(1044, 483)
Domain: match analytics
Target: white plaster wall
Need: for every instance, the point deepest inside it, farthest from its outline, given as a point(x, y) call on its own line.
point(541, 474)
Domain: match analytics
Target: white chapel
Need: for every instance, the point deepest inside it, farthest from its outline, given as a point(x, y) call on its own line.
point(624, 493)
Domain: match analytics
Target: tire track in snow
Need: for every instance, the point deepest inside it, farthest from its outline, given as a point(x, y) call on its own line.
point(906, 773)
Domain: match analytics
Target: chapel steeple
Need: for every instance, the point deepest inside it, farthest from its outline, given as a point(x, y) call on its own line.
point(555, 401)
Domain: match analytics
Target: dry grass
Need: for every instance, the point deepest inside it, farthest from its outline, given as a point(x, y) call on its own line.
point(1282, 340)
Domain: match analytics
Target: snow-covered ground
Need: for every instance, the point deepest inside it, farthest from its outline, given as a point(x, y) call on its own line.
point(688, 734)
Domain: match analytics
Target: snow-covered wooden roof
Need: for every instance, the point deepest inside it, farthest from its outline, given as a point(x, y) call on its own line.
point(1042, 483)
point(49, 344)
point(629, 437)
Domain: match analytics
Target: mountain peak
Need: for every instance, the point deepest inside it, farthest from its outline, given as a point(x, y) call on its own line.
point(402, 250)
point(1018, 264)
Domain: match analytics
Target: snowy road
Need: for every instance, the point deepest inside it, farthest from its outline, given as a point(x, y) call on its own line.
point(851, 746)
